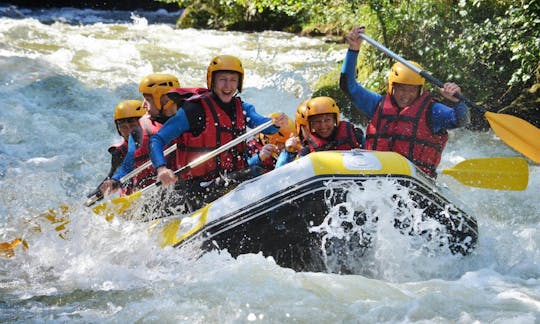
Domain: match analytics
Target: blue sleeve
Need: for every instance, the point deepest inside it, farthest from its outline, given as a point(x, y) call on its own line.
point(174, 127)
point(254, 160)
point(254, 119)
point(129, 160)
point(284, 158)
point(444, 117)
point(364, 100)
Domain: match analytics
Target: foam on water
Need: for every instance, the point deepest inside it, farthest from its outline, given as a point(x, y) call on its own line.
point(60, 84)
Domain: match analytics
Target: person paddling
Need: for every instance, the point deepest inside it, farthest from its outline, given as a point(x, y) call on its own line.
point(126, 116)
point(159, 108)
point(406, 120)
point(204, 123)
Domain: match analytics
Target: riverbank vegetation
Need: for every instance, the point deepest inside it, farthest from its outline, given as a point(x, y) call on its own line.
point(491, 48)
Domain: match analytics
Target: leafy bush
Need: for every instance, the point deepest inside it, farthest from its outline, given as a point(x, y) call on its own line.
point(243, 14)
point(489, 47)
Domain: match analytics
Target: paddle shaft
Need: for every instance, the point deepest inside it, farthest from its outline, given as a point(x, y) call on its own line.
point(97, 195)
point(517, 133)
point(423, 73)
point(146, 164)
point(200, 160)
point(203, 158)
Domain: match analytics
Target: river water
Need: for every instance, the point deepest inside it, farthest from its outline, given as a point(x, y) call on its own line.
point(63, 72)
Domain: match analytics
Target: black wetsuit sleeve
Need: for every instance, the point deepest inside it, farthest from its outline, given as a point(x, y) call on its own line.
point(196, 117)
point(116, 161)
point(359, 134)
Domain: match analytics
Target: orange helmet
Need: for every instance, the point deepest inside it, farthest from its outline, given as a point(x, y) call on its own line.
point(280, 136)
point(224, 63)
point(301, 117)
point(400, 73)
point(322, 105)
point(157, 85)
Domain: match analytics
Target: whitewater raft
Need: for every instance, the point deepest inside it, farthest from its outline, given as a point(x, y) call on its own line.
point(319, 212)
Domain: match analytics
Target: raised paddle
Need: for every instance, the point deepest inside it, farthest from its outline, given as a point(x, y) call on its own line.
point(121, 204)
point(500, 173)
point(517, 133)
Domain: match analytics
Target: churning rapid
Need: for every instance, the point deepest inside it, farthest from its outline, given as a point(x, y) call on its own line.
point(63, 72)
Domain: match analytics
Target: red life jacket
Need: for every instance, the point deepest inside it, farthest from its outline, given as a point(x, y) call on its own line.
point(120, 147)
point(407, 132)
point(219, 130)
point(180, 95)
point(255, 146)
point(344, 139)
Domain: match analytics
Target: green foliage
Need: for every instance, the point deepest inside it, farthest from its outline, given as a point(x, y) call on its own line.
point(328, 86)
point(491, 48)
point(243, 14)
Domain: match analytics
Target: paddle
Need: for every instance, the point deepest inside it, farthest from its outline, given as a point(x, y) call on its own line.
point(515, 132)
point(59, 216)
point(488, 173)
point(121, 204)
point(501, 173)
point(97, 195)
point(7, 249)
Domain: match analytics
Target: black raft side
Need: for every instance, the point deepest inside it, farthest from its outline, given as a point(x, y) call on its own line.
point(278, 225)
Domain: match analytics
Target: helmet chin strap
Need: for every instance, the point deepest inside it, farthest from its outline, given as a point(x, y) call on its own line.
point(167, 105)
point(162, 118)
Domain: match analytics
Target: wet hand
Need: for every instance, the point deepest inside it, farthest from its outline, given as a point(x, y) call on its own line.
point(354, 39)
point(449, 90)
point(267, 151)
point(108, 186)
point(166, 176)
point(280, 120)
point(293, 144)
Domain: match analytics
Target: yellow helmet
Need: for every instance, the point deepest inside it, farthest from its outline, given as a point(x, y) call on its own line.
point(399, 73)
point(129, 109)
point(301, 116)
point(157, 85)
point(224, 63)
point(322, 105)
point(281, 135)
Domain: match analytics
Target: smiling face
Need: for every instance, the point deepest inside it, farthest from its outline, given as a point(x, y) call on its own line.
point(225, 85)
point(323, 124)
point(405, 94)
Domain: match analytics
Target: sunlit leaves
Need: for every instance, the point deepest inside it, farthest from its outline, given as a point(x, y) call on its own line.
point(490, 47)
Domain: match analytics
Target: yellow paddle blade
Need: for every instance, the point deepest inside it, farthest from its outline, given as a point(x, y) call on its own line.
point(7, 249)
point(59, 217)
point(517, 133)
point(504, 173)
point(116, 206)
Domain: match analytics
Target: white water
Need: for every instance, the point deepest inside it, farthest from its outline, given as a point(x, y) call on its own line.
point(59, 85)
